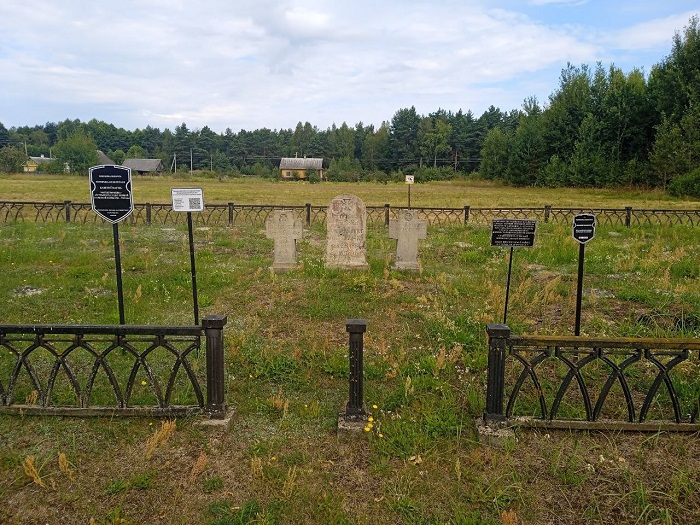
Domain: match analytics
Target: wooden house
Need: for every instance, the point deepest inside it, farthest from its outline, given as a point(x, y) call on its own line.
point(36, 164)
point(294, 168)
point(142, 166)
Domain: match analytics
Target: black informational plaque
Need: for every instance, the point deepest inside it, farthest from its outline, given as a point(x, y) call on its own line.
point(111, 199)
point(110, 192)
point(584, 227)
point(513, 233)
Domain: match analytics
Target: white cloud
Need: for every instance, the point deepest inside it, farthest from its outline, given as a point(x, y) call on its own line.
point(557, 2)
point(270, 63)
point(650, 34)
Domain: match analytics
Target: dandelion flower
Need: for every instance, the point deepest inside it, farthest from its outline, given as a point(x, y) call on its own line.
point(368, 428)
point(381, 435)
point(144, 383)
point(375, 407)
point(370, 419)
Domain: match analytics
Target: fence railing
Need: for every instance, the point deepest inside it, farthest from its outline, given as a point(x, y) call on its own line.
point(116, 370)
point(641, 384)
point(231, 214)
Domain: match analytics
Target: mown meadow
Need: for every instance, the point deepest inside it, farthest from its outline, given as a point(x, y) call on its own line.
point(281, 460)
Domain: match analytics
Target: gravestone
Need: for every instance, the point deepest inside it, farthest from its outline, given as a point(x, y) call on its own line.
point(408, 229)
point(346, 220)
point(285, 228)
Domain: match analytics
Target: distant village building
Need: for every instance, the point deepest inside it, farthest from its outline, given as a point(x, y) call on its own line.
point(142, 166)
point(36, 164)
point(294, 168)
point(103, 159)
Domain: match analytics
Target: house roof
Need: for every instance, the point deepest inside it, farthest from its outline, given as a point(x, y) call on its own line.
point(295, 163)
point(42, 159)
point(143, 164)
point(103, 159)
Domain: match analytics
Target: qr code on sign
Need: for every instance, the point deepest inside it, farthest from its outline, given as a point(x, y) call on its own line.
point(195, 203)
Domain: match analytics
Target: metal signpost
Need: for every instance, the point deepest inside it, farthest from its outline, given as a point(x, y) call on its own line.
point(583, 231)
point(189, 200)
point(409, 182)
point(111, 199)
point(512, 233)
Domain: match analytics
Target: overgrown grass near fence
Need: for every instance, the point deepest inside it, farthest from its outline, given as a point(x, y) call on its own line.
point(425, 368)
point(449, 194)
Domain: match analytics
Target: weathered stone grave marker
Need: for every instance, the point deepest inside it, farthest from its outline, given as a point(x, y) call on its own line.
point(408, 229)
point(285, 228)
point(346, 220)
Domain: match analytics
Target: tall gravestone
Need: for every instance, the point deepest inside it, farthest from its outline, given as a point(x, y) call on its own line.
point(408, 229)
point(346, 220)
point(285, 228)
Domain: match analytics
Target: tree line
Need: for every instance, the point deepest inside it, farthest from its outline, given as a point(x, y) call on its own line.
point(600, 127)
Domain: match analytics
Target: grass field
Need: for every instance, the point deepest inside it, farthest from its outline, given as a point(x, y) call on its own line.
point(282, 461)
point(53, 188)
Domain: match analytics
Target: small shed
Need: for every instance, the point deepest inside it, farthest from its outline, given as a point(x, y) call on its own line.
point(294, 168)
point(142, 166)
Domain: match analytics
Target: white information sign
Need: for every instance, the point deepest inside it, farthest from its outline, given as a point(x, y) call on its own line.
point(409, 179)
point(187, 199)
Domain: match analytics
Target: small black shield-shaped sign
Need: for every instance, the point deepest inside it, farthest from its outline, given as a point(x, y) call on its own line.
point(584, 227)
point(110, 192)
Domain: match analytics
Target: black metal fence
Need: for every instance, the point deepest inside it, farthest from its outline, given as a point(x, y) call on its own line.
point(641, 384)
point(231, 214)
point(113, 370)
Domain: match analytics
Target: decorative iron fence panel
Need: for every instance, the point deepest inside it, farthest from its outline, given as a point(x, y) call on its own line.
point(377, 215)
point(112, 370)
point(231, 214)
point(486, 215)
point(665, 217)
point(593, 383)
point(604, 216)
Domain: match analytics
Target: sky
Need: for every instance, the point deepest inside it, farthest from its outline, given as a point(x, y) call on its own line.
point(252, 64)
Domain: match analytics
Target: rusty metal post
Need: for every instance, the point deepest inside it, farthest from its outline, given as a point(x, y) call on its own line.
point(466, 214)
point(308, 214)
point(547, 212)
point(230, 214)
point(498, 335)
point(148, 213)
point(66, 207)
point(355, 407)
point(386, 214)
point(214, 330)
point(628, 216)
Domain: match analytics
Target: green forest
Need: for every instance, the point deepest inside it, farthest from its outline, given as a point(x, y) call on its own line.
point(601, 126)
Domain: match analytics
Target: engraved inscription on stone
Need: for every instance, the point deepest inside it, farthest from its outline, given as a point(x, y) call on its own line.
point(285, 228)
point(408, 229)
point(346, 221)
